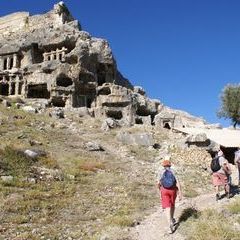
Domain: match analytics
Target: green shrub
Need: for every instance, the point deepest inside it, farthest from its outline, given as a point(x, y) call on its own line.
point(14, 162)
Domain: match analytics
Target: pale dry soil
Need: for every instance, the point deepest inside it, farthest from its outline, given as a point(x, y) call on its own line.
point(155, 226)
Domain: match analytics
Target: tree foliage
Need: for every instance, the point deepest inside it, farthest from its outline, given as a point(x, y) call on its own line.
point(230, 104)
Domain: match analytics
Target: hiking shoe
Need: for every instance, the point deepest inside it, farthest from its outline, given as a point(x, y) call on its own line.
point(174, 222)
point(172, 228)
point(217, 197)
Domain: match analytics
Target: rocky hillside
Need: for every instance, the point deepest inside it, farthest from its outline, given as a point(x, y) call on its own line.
point(49, 57)
point(66, 178)
point(80, 146)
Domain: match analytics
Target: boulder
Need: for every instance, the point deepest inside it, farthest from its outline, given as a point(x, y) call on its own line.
point(197, 138)
point(6, 178)
point(108, 124)
point(93, 146)
point(6, 103)
point(31, 154)
point(57, 113)
point(29, 109)
point(34, 153)
point(141, 139)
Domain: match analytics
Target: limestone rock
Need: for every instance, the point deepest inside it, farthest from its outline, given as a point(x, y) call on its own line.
point(6, 178)
point(172, 118)
point(195, 138)
point(47, 59)
point(57, 113)
point(108, 124)
point(31, 154)
point(34, 153)
point(93, 146)
point(46, 174)
point(6, 103)
point(142, 139)
point(29, 109)
point(140, 90)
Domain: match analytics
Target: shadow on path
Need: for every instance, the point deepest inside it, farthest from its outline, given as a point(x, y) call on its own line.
point(187, 213)
point(235, 190)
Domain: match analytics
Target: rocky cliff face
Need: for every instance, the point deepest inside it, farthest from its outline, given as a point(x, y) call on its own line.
point(49, 57)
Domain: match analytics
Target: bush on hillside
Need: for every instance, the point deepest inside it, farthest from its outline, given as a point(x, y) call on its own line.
point(14, 162)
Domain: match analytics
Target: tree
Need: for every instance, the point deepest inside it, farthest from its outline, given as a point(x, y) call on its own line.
point(230, 108)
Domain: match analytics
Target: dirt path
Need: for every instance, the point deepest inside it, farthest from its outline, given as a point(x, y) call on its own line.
point(155, 227)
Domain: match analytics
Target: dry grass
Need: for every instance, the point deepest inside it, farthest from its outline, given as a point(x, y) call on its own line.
point(13, 162)
point(212, 223)
point(35, 203)
point(106, 190)
point(234, 207)
point(91, 166)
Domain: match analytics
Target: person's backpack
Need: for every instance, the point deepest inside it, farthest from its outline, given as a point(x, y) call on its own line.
point(168, 179)
point(215, 166)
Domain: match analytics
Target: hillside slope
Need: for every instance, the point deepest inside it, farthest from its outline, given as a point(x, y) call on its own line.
point(87, 182)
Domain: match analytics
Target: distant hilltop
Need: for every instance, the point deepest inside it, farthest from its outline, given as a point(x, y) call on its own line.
point(50, 58)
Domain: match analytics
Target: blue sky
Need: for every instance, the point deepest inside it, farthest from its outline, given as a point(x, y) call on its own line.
point(182, 52)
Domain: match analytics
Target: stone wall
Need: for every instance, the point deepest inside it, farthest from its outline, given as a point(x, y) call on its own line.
point(13, 22)
point(21, 21)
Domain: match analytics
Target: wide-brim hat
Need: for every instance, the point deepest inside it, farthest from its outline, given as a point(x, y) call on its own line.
point(166, 161)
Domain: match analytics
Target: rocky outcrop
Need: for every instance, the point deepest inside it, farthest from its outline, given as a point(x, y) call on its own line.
point(141, 139)
point(172, 118)
point(50, 57)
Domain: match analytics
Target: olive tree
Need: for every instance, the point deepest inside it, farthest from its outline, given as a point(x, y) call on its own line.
point(230, 104)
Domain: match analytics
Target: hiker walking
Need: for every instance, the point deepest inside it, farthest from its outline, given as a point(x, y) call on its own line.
point(169, 187)
point(221, 174)
point(237, 163)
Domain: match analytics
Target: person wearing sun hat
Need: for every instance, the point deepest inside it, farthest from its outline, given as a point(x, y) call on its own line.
point(221, 177)
point(169, 187)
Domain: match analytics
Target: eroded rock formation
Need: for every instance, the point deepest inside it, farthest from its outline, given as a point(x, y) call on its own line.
point(49, 57)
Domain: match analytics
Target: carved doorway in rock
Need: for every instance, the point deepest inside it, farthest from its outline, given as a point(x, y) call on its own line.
point(166, 125)
point(64, 81)
point(101, 74)
point(4, 89)
point(114, 114)
point(38, 91)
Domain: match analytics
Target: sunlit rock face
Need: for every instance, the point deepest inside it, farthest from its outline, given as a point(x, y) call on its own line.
point(49, 56)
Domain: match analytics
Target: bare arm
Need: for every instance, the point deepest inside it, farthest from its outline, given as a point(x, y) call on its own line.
point(179, 189)
point(227, 168)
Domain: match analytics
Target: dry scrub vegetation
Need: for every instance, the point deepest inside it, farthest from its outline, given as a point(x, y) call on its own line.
point(213, 224)
point(99, 191)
